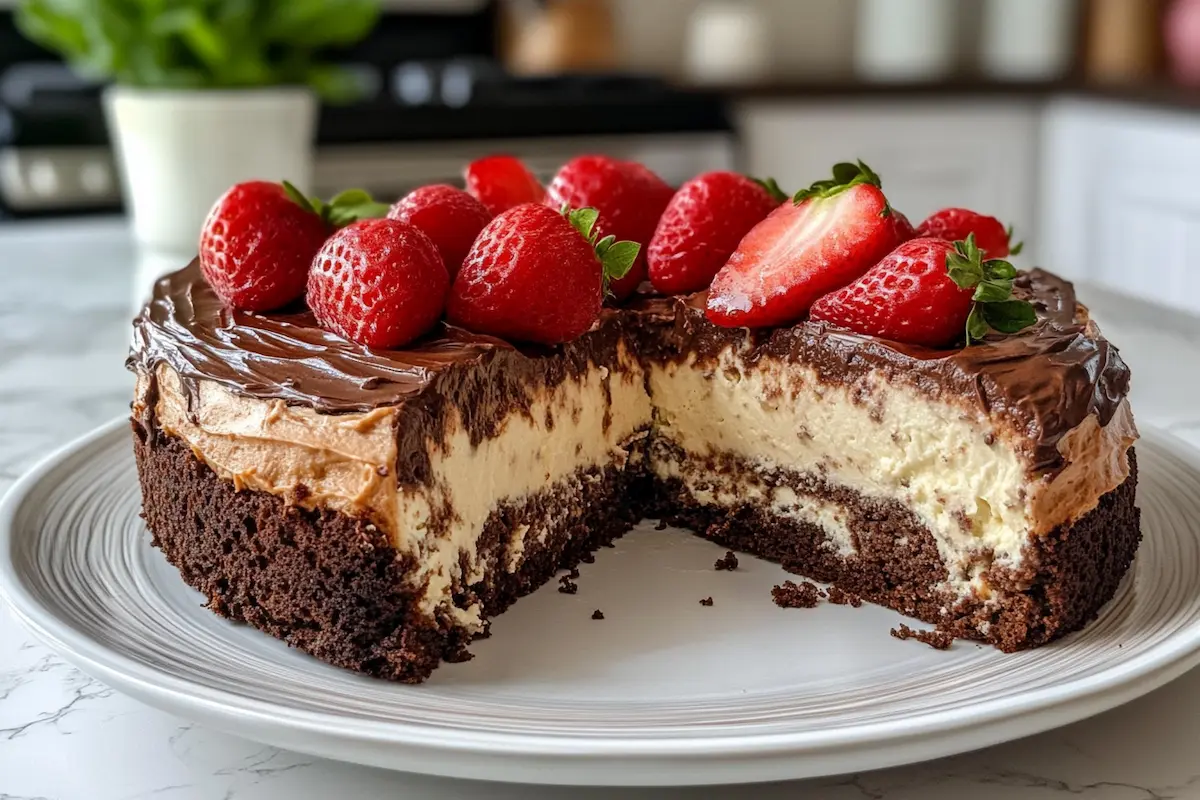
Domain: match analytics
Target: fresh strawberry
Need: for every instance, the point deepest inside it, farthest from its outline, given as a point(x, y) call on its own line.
point(904, 228)
point(257, 244)
point(450, 217)
point(501, 183)
point(536, 275)
point(702, 226)
point(956, 224)
point(378, 282)
point(929, 292)
point(629, 197)
point(829, 234)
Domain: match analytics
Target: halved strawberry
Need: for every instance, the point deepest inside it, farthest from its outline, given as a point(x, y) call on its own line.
point(956, 224)
point(929, 292)
point(829, 234)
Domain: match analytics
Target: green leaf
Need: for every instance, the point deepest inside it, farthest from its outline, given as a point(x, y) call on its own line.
point(618, 259)
point(604, 244)
point(999, 270)
point(977, 327)
point(845, 176)
point(351, 197)
point(772, 187)
point(1013, 249)
point(197, 32)
point(964, 265)
point(584, 220)
point(297, 197)
point(992, 291)
point(1009, 316)
point(203, 43)
point(342, 215)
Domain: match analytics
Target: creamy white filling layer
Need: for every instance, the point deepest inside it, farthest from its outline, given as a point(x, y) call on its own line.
point(955, 469)
point(346, 462)
point(961, 476)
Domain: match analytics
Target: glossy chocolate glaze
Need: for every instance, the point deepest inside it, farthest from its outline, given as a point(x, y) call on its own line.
point(1044, 381)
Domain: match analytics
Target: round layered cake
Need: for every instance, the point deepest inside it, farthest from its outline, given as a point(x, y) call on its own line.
point(368, 436)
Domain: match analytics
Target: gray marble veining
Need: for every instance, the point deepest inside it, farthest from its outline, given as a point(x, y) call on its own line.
point(64, 312)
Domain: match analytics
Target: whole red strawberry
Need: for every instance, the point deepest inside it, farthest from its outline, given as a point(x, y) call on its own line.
point(956, 224)
point(257, 244)
point(827, 236)
point(929, 292)
point(378, 282)
point(502, 182)
point(904, 228)
point(536, 275)
point(450, 217)
point(702, 226)
point(629, 197)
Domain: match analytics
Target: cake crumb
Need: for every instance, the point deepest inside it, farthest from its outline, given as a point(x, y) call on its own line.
point(661, 526)
point(728, 562)
point(574, 573)
point(587, 558)
point(567, 586)
point(707, 601)
point(842, 598)
point(938, 640)
point(597, 614)
point(796, 595)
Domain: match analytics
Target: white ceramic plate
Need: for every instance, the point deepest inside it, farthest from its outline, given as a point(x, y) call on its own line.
point(662, 691)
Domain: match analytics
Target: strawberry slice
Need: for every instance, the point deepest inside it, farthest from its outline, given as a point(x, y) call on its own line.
point(829, 234)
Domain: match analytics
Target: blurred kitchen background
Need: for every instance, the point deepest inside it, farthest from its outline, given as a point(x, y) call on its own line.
point(1076, 120)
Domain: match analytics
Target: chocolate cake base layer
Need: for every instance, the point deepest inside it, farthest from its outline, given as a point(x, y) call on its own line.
point(332, 585)
point(1064, 579)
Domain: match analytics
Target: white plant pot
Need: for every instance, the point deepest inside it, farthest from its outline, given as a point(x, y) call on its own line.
point(179, 150)
point(905, 40)
point(1028, 39)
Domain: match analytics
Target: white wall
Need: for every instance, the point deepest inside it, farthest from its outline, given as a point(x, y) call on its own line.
point(809, 38)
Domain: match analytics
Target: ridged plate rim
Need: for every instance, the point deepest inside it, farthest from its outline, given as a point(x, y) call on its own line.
point(667, 760)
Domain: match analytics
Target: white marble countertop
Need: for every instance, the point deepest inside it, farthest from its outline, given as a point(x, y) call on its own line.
point(64, 311)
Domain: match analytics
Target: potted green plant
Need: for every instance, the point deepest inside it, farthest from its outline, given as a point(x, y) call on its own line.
point(204, 94)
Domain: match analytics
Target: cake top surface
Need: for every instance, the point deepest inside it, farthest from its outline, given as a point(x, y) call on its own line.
point(1047, 379)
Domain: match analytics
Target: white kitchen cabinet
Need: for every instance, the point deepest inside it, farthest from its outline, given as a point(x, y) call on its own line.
point(930, 153)
point(1121, 198)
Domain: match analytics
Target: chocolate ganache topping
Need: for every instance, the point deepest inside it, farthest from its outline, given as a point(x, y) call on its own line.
point(1046, 379)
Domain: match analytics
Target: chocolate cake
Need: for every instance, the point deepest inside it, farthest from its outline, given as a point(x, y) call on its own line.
point(376, 508)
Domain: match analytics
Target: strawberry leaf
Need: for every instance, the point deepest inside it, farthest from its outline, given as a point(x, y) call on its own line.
point(995, 269)
point(297, 197)
point(977, 326)
point(351, 197)
point(965, 264)
point(992, 282)
point(992, 291)
point(845, 176)
point(1014, 249)
point(350, 206)
point(618, 259)
point(1009, 316)
point(777, 194)
point(584, 220)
